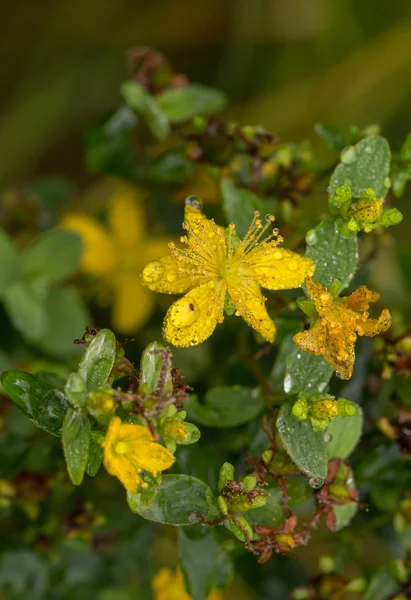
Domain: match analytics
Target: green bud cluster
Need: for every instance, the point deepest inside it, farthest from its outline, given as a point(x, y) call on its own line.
point(321, 409)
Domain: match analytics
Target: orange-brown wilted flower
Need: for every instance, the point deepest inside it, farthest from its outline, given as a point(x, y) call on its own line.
point(340, 320)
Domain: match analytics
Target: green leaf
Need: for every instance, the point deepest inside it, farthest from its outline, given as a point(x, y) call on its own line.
point(183, 103)
point(239, 205)
point(279, 368)
point(9, 262)
point(179, 499)
point(305, 446)
point(306, 373)
point(76, 443)
point(334, 255)
point(345, 512)
point(147, 107)
point(66, 320)
point(26, 310)
point(330, 135)
point(200, 558)
point(155, 369)
point(228, 406)
point(95, 458)
point(170, 167)
point(271, 514)
point(345, 434)
point(141, 500)
point(54, 255)
point(365, 165)
point(98, 360)
point(43, 405)
point(381, 586)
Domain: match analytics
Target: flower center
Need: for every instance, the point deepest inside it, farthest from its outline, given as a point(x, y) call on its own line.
point(121, 448)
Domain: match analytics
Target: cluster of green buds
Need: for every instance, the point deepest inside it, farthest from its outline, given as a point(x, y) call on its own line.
point(365, 213)
point(174, 430)
point(89, 388)
point(236, 498)
point(321, 409)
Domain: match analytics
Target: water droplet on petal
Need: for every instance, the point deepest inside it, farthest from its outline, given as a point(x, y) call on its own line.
point(348, 155)
point(153, 272)
point(194, 202)
point(328, 437)
point(293, 265)
point(316, 482)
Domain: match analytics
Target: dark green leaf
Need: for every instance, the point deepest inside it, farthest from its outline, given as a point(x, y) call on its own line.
point(225, 406)
point(98, 360)
point(334, 255)
point(305, 446)
point(179, 499)
point(277, 374)
point(200, 559)
point(183, 103)
point(54, 255)
point(147, 107)
point(141, 500)
point(66, 320)
point(365, 165)
point(9, 262)
point(345, 432)
point(155, 369)
point(271, 514)
point(239, 205)
point(43, 405)
point(171, 167)
point(76, 443)
point(95, 458)
point(306, 373)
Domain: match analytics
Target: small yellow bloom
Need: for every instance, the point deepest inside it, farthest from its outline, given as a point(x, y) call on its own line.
point(115, 255)
point(169, 585)
point(340, 320)
point(130, 448)
point(214, 265)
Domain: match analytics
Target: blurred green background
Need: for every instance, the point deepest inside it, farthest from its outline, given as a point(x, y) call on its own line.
point(284, 63)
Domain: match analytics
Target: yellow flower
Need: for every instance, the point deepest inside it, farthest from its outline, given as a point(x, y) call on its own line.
point(169, 585)
point(215, 265)
point(340, 320)
point(116, 254)
point(130, 448)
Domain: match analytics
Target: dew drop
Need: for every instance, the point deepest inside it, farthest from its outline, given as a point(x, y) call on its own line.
point(311, 238)
point(269, 218)
point(288, 382)
point(316, 482)
point(348, 155)
point(328, 437)
point(194, 202)
point(281, 425)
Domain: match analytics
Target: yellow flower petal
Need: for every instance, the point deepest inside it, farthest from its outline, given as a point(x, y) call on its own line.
point(152, 457)
point(126, 217)
point(361, 298)
point(246, 295)
point(280, 269)
point(154, 247)
point(372, 327)
point(163, 276)
point(128, 449)
point(133, 304)
point(193, 318)
point(100, 256)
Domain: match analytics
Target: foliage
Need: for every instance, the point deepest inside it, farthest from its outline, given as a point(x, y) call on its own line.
point(232, 422)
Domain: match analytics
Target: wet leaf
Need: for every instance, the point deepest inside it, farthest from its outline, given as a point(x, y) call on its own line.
point(155, 369)
point(43, 405)
point(76, 443)
point(98, 361)
point(365, 165)
point(346, 433)
point(334, 255)
point(305, 446)
point(306, 373)
point(142, 499)
point(179, 499)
